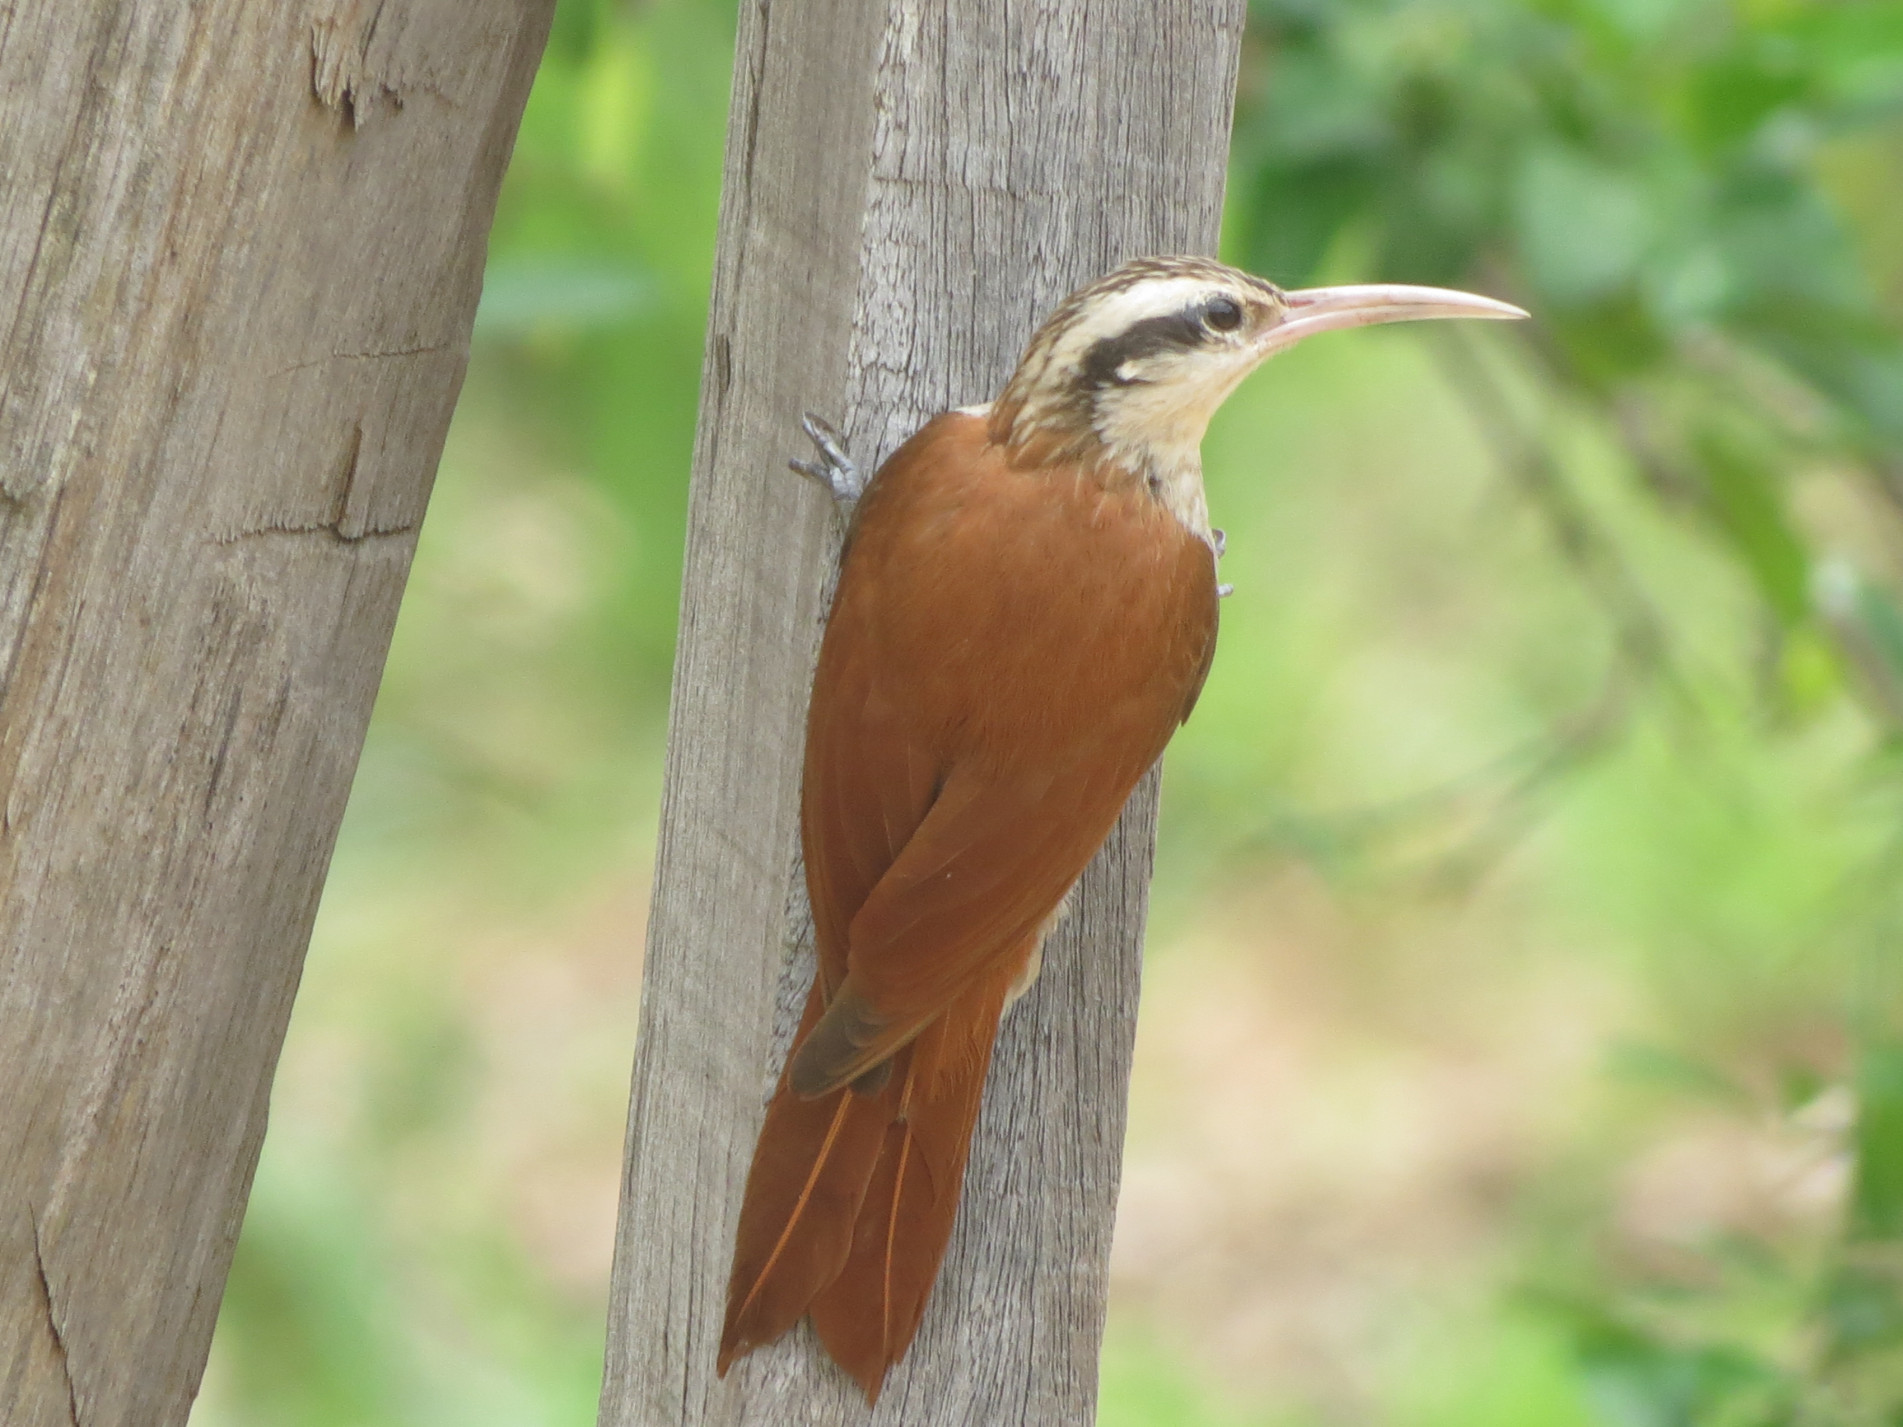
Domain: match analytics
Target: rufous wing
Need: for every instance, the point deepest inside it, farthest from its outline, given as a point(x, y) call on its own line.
point(960, 905)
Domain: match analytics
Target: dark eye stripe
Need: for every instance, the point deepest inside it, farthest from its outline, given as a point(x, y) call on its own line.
point(1179, 330)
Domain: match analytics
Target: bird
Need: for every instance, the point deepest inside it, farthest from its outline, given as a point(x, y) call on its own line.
point(1025, 612)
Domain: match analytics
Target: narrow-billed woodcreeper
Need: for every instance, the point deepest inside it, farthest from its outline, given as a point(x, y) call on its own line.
point(1026, 610)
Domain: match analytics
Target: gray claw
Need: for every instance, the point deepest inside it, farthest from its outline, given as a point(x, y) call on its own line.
point(1224, 591)
point(1219, 541)
point(813, 471)
point(834, 469)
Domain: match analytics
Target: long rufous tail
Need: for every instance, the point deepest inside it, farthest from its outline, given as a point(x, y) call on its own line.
point(850, 1201)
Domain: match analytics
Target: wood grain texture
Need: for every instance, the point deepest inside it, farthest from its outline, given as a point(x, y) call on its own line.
point(908, 189)
point(241, 243)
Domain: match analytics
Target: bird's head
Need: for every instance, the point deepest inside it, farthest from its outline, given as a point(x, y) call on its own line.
point(1130, 368)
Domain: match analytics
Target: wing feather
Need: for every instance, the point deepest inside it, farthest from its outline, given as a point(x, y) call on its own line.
point(978, 721)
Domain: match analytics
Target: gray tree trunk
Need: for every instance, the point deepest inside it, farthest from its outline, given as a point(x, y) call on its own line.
point(909, 188)
point(241, 243)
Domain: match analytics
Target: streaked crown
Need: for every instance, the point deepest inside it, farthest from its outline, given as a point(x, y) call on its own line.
point(1184, 322)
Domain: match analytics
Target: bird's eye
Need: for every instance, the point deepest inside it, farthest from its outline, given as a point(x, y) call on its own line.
point(1222, 315)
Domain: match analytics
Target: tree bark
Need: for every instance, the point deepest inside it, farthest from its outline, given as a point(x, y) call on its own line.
point(241, 244)
point(909, 189)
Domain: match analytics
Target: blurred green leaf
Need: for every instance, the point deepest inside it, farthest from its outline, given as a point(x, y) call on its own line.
point(1863, 1308)
point(1635, 1375)
point(1672, 1069)
point(1877, 1200)
point(1584, 225)
point(1641, 174)
point(1882, 617)
point(1749, 505)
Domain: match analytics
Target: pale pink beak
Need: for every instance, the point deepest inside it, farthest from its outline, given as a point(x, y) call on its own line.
point(1330, 309)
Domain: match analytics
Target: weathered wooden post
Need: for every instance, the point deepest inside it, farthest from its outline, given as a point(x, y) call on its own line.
point(909, 187)
point(241, 243)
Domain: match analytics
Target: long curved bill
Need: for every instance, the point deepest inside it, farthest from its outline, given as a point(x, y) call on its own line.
point(1330, 309)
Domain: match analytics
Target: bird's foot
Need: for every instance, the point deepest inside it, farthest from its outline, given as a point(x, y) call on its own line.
point(1219, 542)
point(834, 469)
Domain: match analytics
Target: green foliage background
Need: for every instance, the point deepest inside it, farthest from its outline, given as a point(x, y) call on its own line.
point(1578, 650)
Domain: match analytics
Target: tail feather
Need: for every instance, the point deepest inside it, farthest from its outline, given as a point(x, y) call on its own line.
point(870, 1313)
point(809, 1176)
point(850, 1202)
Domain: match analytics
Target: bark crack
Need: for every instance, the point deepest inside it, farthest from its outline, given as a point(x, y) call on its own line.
point(52, 1320)
point(375, 355)
point(337, 527)
point(328, 528)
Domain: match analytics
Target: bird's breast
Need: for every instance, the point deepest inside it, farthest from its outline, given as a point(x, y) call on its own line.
point(1027, 606)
